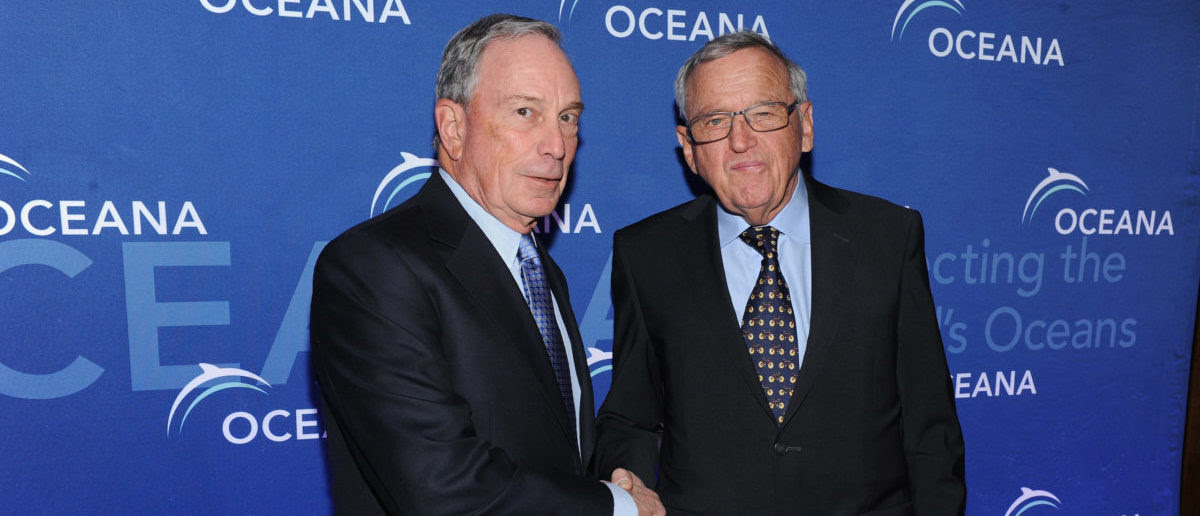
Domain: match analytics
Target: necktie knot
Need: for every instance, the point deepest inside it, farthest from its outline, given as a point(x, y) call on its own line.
point(764, 239)
point(527, 251)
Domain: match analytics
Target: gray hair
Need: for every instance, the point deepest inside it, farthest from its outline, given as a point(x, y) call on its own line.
point(728, 44)
point(459, 71)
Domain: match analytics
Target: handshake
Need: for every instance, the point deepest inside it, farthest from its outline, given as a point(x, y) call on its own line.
point(646, 499)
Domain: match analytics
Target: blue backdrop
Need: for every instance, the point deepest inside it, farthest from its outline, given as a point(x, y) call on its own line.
point(169, 170)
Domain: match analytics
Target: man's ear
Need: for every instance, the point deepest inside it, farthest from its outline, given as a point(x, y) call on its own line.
point(686, 144)
point(449, 118)
point(806, 122)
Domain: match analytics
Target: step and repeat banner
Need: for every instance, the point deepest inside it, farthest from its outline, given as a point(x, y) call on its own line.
point(169, 172)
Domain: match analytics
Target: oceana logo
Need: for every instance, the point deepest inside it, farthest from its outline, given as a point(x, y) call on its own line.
point(562, 4)
point(217, 379)
point(413, 171)
point(957, 7)
point(73, 217)
point(1092, 220)
point(359, 10)
point(976, 45)
point(656, 23)
point(1029, 499)
point(243, 427)
point(1055, 182)
point(9, 167)
point(599, 361)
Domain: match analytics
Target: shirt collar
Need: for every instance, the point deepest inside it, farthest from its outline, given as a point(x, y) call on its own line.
point(503, 238)
point(792, 220)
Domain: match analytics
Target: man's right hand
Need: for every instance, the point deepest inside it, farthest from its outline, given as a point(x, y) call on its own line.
point(646, 499)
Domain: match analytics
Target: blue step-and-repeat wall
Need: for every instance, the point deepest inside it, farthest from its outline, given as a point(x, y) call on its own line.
point(170, 170)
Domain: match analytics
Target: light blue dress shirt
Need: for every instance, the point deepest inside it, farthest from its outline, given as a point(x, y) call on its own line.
point(742, 262)
point(507, 241)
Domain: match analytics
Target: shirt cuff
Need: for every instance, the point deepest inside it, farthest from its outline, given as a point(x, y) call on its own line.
point(623, 504)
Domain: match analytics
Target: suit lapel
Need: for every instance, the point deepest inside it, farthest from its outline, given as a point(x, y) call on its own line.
point(832, 256)
point(473, 261)
point(699, 243)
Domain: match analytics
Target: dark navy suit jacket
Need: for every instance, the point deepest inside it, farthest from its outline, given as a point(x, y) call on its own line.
point(438, 394)
point(871, 427)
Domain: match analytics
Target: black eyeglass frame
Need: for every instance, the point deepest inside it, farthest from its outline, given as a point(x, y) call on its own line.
point(733, 114)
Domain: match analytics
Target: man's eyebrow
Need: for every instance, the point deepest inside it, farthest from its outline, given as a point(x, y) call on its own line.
point(762, 100)
point(577, 105)
point(527, 98)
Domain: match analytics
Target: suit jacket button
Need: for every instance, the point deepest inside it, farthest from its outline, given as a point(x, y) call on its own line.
point(780, 449)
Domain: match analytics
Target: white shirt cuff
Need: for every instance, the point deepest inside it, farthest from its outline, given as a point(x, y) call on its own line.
point(623, 504)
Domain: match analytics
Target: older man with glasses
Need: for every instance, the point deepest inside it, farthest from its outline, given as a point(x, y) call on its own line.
point(776, 348)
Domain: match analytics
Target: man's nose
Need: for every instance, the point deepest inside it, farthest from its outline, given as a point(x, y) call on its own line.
point(741, 136)
point(551, 141)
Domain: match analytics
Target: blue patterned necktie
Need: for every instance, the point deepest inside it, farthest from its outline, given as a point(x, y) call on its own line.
point(768, 325)
point(537, 294)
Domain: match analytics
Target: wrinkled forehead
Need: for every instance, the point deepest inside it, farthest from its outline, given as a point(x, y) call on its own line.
point(527, 49)
point(749, 74)
point(531, 58)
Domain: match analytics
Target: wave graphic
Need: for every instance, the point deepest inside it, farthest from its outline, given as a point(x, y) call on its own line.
point(396, 179)
point(597, 355)
point(11, 168)
point(957, 7)
point(1066, 181)
point(563, 3)
point(209, 373)
point(1029, 499)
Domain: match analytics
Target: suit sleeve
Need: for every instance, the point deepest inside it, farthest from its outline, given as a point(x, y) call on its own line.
point(388, 387)
point(629, 421)
point(933, 443)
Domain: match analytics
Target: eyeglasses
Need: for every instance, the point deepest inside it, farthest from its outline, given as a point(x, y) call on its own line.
point(765, 117)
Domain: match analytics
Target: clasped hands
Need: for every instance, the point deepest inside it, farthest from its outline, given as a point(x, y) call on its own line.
point(646, 499)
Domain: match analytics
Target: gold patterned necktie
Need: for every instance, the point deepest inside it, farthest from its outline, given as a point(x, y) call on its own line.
point(768, 324)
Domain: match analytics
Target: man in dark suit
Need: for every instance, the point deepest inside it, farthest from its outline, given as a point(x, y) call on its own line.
point(450, 365)
point(776, 348)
